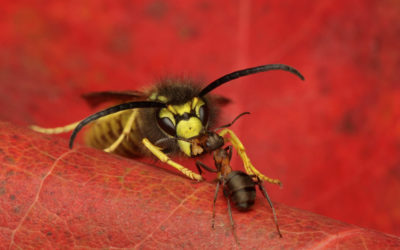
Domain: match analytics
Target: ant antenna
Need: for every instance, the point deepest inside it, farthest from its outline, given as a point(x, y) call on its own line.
point(232, 122)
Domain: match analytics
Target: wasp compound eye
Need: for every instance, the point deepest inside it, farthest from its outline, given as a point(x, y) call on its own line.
point(203, 114)
point(166, 124)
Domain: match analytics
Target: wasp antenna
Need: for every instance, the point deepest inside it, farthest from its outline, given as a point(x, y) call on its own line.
point(232, 122)
point(248, 71)
point(114, 109)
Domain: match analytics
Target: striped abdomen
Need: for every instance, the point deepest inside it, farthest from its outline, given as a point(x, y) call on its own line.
point(241, 189)
point(106, 131)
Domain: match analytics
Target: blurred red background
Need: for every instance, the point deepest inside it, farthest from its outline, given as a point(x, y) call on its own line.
point(334, 140)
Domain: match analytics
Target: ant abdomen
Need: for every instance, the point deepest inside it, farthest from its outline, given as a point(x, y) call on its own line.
point(240, 187)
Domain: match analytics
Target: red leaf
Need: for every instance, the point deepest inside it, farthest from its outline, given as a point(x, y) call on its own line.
point(51, 197)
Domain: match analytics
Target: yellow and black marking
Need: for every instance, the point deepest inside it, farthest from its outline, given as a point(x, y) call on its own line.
point(164, 158)
point(161, 121)
point(58, 130)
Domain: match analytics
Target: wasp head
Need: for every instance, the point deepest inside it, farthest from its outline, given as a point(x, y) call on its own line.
point(185, 121)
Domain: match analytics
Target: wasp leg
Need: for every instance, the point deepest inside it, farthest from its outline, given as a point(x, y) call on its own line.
point(264, 191)
point(124, 134)
point(58, 130)
point(250, 169)
point(164, 158)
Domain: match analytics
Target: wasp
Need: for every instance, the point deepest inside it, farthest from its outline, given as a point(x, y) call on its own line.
point(172, 108)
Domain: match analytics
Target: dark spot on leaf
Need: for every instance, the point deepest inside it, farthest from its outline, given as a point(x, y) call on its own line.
point(204, 5)
point(49, 233)
point(16, 137)
point(120, 41)
point(101, 232)
point(187, 31)
point(2, 190)
point(17, 209)
point(12, 197)
point(348, 124)
point(271, 235)
point(10, 173)
point(395, 170)
point(9, 160)
point(310, 227)
point(157, 9)
point(92, 209)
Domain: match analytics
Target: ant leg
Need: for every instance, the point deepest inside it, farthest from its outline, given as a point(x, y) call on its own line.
point(229, 150)
point(262, 189)
point(232, 222)
point(215, 199)
point(200, 165)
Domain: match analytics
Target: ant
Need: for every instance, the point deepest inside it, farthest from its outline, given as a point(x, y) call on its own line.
point(238, 186)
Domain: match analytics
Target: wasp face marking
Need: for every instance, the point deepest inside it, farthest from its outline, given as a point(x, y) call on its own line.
point(187, 129)
point(185, 121)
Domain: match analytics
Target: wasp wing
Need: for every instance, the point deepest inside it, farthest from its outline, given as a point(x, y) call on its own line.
point(219, 100)
point(94, 99)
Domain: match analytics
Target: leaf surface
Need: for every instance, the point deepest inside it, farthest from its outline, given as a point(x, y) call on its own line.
point(53, 197)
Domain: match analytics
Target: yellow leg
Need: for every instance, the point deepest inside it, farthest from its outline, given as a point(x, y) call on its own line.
point(250, 169)
point(125, 133)
point(164, 158)
point(57, 130)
